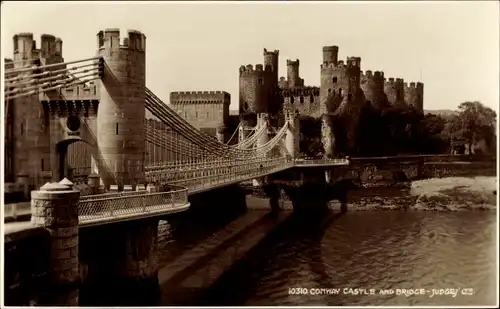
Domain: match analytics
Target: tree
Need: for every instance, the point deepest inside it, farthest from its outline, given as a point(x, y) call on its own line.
point(474, 123)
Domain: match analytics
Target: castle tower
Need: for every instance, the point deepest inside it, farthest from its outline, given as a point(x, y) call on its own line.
point(330, 54)
point(414, 95)
point(257, 88)
point(340, 88)
point(372, 84)
point(271, 59)
point(120, 118)
point(394, 90)
point(294, 80)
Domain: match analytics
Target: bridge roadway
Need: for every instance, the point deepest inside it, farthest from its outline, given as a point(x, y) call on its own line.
point(122, 206)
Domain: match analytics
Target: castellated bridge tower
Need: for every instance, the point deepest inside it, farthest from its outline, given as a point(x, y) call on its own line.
point(414, 95)
point(372, 84)
point(27, 144)
point(120, 118)
point(293, 77)
point(394, 90)
point(340, 97)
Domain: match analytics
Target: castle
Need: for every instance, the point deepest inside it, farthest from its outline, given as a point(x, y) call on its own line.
point(338, 101)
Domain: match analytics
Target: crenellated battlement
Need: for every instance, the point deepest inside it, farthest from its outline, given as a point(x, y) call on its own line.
point(413, 85)
point(331, 48)
point(199, 92)
point(24, 43)
point(353, 62)
point(293, 62)
point(297, 92)
point(397, 82)
point(249, 69)
point(110, 38)
point(331, 65)
point(370, 75)
point(275, 52)
point(190, 97)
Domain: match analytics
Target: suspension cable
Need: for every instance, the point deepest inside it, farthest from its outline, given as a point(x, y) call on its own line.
point(21, 77)
point(30, 93)
point(58, 79)
point(49, 65)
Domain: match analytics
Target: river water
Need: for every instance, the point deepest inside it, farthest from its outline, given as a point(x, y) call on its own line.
point(323, 259)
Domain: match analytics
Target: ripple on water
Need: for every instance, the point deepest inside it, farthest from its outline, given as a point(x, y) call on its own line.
point(379, 250)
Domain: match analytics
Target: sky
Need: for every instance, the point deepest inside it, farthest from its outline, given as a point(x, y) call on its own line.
point(453, 47)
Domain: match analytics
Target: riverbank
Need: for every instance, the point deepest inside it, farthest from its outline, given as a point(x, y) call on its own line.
point(434, 194)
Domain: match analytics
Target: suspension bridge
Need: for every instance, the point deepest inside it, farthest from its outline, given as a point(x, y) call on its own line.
point(145, 166)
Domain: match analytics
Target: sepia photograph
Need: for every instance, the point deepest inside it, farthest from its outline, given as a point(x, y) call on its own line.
point(250, 154)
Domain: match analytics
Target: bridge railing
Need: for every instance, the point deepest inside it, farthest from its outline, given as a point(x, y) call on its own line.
point(110, 207)
point(112, 195)
point(199, 179)
point(320, 161)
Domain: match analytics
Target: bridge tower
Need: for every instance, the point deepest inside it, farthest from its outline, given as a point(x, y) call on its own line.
point(120, 118)
point(263, 119)
point(28, 142)
point(292, 138)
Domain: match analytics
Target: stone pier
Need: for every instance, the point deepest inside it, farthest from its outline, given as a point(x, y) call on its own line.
point(55, 208)
point(273, 193)
point(120, 263)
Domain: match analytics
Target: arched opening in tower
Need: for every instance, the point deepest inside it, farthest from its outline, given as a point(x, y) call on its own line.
point(74, 159)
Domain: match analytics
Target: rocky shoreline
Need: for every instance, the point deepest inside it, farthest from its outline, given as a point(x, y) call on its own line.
point(434, 194)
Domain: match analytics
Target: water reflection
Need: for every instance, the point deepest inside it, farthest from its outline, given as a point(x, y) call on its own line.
point(379, 250)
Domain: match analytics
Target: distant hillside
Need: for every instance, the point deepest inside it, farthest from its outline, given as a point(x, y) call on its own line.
point(441, 112)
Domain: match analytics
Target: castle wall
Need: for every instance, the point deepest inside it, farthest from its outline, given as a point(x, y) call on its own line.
point(304, 100)
point(206, 110)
